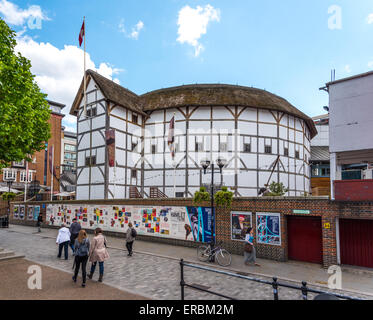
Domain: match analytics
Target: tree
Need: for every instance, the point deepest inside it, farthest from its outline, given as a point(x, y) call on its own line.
point(24, 112)
point(276, 190)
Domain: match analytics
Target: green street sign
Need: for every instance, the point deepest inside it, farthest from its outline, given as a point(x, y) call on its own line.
point(301, 211)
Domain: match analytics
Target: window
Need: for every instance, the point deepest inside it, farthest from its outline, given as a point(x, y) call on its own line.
point(10, 175)
point(286, 151)
point(315, 172)
point(90, 161)
point(134, 145)
point(297, 154)
point(92, 112)
point(23, 176)
point(154, 149)
point(179, 195)
point(247, 147)
point(223, 147)
point(267, 149)
point(70, 147)
point(133, 173)
point(19, 163)
point(198, 147)
point(134, 118)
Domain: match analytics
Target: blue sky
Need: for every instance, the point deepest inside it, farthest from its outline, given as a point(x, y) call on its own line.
point(286, 47)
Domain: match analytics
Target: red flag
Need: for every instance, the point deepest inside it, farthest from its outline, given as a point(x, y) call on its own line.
point(171, 137)
point(81, 34)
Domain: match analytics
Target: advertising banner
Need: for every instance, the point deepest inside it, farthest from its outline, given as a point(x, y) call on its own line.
point(22, 212)
point(16, 212)
point(36, 212)
point(30, 212)
point(240, 222)
point(110, 142)
point(268, 228)
point(185, 223)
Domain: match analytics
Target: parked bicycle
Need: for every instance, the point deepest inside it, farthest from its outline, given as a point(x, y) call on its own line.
point(222, 256)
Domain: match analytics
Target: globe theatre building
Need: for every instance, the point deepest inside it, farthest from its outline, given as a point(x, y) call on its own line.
point(261, 137)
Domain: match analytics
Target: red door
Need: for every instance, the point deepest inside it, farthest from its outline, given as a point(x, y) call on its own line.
point(356, 242)
point(304, 239)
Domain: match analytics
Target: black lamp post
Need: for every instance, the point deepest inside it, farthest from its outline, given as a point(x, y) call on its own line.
point(9, 183)
point(205, 164)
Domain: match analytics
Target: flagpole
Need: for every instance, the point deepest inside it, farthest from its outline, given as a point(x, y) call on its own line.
point(174, 160)
point(25, 197)
point(52, 167)
point(85, 80)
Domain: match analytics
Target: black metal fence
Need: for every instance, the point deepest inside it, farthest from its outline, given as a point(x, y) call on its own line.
point(275, 285)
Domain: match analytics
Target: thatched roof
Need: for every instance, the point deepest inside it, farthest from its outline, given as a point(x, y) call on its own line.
point(220, 95)
point(194, 95)
point(112, 92)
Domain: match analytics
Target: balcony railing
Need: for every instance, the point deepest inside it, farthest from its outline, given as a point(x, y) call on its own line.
point(353, 190)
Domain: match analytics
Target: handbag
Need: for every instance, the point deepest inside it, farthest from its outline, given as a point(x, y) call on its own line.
point(248, 248)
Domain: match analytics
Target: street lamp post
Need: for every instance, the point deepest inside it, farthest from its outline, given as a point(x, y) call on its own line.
point(205, 164)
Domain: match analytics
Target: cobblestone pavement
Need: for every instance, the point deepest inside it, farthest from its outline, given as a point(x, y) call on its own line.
point(147, 275)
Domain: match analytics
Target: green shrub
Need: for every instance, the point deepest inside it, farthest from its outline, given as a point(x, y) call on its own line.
point(201, 196)
point(223, 198)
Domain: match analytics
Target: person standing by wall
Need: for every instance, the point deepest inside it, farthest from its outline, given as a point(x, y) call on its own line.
point(39, 222)
point(63, 240)
point(130, 238)
point(74, 231)
point(98, 253)
point(81, 253)
point(250, 252)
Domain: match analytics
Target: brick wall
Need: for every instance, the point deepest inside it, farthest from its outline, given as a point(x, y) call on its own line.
point(321, 207)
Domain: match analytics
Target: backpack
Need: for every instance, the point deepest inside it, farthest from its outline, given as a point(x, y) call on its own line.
point(133, 233)
point(82, 249)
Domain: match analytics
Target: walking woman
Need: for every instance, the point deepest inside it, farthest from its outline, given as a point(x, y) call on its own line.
point(98, 253)
point(130, 238)
point(81, 252)
point(250, 252)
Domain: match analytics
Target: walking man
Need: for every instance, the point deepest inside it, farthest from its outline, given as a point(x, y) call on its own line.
point(130, 238)
point(62, 241)
point(74, 231)
point(40, 220)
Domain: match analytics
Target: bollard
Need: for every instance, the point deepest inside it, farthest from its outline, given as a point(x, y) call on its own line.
point(304, 290)
point(182, 283)
point(275, 288)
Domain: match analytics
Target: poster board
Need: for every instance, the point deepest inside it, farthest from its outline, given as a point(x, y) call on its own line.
point(36, 212)
point(185, 223)
point(268, 226)
point(30, 212)
point(16, 212)
point(239, 221)
point(21, 212)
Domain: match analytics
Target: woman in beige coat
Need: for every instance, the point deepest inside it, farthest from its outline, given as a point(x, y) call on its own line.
point(98, 253)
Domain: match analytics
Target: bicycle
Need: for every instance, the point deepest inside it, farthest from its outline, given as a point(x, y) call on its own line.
point(223, 257)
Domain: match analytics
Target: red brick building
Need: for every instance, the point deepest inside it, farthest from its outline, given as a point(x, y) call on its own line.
point(39, 168)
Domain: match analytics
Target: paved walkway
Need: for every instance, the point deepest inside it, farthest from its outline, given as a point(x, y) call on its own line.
point(56, 285)
point(154, 270)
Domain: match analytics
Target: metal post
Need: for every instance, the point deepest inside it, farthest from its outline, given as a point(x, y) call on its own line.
point(275, 288)
point(182, 283)
point(304, 290)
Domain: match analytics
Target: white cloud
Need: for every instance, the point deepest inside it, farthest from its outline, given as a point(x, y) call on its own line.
point(370, 18)
point(121, 26)
point(348, 68)
point(136, 30)
point(17, 16)
point(59, 72)
point(193, 24)
point(370, 64)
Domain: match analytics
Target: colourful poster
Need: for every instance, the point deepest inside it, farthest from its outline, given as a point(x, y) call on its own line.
point(268, 228)
point(30, 212)
point(193, 224)
point(16, 212)
point(22, 212)
point(36, 212)
point(240, 222)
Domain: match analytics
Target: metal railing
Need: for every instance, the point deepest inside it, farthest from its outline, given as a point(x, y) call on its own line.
point(275, 284)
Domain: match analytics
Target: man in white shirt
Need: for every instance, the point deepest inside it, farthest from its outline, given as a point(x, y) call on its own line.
point(63, 240)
